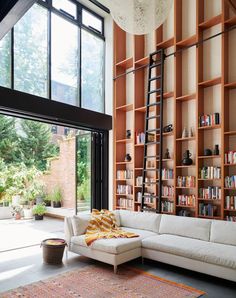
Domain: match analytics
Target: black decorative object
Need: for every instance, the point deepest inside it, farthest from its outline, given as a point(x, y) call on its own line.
point(187, 161)
point(207, 152)
point(128, 133)
point(168, 128)
point(167, 154)
point(216, 150)
point(128, 157)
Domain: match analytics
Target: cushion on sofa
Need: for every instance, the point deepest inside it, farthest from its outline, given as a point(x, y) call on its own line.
point(112, 246)
point(140, 220)
point(185, 226)
point(209, 252)
point(223, 232)
point(80, 223)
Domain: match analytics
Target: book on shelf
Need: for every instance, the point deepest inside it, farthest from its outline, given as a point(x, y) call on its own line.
point(140, 138)
point(210, 173)
point(124, 174)
point(209, 119)
point(230, 202)
point(210, 193)
point(186, 181)
point(230, 218)
point(139, 180)
point(230, 157)
point(166, 174)
point(230, 181)
point(167, 206)
point(168, 191)
point(184, 212)
point(187, 200)
point(207, 209)
point(148, 198)
point(124, 189)
point(125, 203)
point(139, 197)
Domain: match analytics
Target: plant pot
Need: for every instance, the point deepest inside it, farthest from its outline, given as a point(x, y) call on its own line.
point(38, 217)
point(18, 216)
point(27, 213)
point(39, 200)
point(47, 203)
point(57, 204)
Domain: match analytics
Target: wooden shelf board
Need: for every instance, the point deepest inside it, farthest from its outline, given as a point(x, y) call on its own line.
point(138, 169)
point(124, 195)
point(167, 95)
point(186, 97)
point(183, 167)
point(137, 202)
point(166, 43)
point(210, 127)
point(139, 145)
point(166, 159)
point(210, 83)
point(124, 162)
point(209, 200)
point(142, 62)
point(230, 210)
point(230, 133)
point(180, 187)
point(231, 21)
point(125, 108)
point(124, 141)
point(124, 208)
point(166, 212)
point(210, 217)
point(127, 63)
point(231, 85)
point(229, 188)
point(230, 164)
point(136, 186)
point(168, 197)
point(213, 179)
point(209, 157)
point(187, 41)
point(124, 179)
point(211, 22)
point(186, 139)
point(185, 206)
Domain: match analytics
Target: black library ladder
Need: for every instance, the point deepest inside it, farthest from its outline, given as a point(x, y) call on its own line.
point(156, 66)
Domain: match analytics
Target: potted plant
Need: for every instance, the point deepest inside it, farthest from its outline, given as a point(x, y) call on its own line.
point(47, 200)
point(39, 211)
point(16, 211)
point(57, 197)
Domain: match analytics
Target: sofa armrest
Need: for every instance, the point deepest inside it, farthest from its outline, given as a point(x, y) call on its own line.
point(68, 229)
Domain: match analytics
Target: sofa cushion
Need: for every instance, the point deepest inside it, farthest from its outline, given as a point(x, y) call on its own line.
point(209, 252)
point(117, 215)
point(140, 220)
point(80, 223)
point(223, 232)
point(185, 226)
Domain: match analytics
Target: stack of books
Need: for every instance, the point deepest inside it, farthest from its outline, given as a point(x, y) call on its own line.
point(124, 174)
point(230, 202)
point(210, 173)
point(230, 157)
point(168, 191)
point(209, 120)
point(210, 193)
point(186, 200)
point(167, 206)
point(125, 203)
point(230, 218)
point(167, 174)
point(230, 181)
point(207, 209)
point(124, 189)
point(186, 181)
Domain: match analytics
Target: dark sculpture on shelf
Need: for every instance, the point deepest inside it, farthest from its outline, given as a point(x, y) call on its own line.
point(216, 150)
point(168, 128)
point(207, 152)
point(187, 161)
point(128, 157)
point(167, 154)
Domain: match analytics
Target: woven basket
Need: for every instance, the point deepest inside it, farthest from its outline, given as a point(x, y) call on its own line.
point(53, 253)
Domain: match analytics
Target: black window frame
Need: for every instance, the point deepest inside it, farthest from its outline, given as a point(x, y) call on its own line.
point(78, 22)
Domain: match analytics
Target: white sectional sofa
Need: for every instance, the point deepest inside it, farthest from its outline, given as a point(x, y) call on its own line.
point(202, 245)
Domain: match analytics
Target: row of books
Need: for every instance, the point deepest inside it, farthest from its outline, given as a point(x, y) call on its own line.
point(168, 191)
point(230, 157)
point(230, 181)
point(207, 209)
point(184, 212)
point(140, 138)
point(167, 174)
point(125, 203)
point(186, 181)
point(210, 192)
point(230, 202)
point(209, 119)
point(230, 218)
point(210, 173)
point(148, 198)
point(124, 174)
point(124, 189)
point(187, 200)
point(148, 181)
point(167, 206)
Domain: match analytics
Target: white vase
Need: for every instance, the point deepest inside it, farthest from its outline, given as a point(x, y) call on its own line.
point(28, 213)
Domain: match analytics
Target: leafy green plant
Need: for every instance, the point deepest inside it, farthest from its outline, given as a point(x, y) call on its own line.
point(84, 190)
point(56, 194)
point(16, 209)
point(39, 209)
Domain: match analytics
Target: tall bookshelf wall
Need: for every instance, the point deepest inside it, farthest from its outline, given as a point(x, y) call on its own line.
point(199, 80)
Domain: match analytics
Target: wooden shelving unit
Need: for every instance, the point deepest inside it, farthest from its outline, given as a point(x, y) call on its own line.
point(199, 80)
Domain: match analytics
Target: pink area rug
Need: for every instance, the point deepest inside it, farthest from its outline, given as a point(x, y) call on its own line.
point(97, 282)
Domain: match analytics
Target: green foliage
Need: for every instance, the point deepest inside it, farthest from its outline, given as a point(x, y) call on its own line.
point(56, 195)
point(16, 210)
point(84, 191)
point(5, 58)
point(39, 209)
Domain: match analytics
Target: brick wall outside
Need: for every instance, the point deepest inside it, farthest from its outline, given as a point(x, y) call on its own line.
point(62, 173)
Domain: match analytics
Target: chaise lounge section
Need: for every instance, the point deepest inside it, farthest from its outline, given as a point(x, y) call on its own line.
point(202, 245)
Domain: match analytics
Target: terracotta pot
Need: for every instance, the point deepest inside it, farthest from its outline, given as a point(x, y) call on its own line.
point(18, 216)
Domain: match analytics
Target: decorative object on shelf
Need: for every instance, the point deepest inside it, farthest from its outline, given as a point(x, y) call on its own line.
point(187, 161)
point(128, 157)
point(168, 128)
point(167, 154)
point(216, 150)
point(207, 152)
point(139, 17)
point(151, 137)
point(128, 134)
point(184, 133)
point(190, 132)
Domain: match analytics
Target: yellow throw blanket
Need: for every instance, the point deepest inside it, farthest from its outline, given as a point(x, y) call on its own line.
point(103, 225)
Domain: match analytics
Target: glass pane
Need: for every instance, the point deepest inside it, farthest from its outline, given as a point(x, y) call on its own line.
point(83, 171)
point(91, 20)
point(64, 61)
point(5, 61)
point(92, 72)
point(31, 54)
point(65, 6)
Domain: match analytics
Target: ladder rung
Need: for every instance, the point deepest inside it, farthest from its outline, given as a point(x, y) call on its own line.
point(153, 104)
point(153, 117)
point(151, 156)
point(154, 78)
point(152, 143)
point(155, 65)
point(156, 52)
point(154, 91)
point(153, 129)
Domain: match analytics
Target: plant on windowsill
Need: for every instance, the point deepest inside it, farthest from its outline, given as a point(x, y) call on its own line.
point(57, 197)
point(16, 211)
point(39, 211)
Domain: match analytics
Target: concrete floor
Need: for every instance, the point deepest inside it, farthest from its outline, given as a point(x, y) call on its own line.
point(23, 266)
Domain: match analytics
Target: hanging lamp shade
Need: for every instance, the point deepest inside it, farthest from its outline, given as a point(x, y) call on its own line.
point(139, 16)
